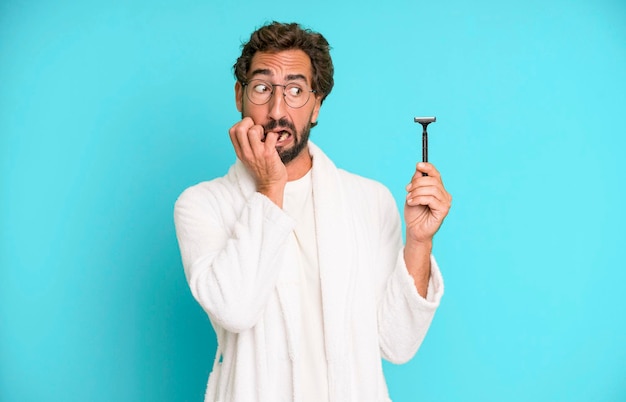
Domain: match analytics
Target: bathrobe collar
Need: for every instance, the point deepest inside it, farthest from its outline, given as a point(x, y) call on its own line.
point(337, 263)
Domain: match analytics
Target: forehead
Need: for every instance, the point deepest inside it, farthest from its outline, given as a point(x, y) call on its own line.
point(285, 65)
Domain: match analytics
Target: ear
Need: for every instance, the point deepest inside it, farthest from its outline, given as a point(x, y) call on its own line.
point(316, 108)
point(239, 96)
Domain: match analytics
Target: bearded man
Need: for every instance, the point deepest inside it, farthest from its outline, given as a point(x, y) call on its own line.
point(300, 265)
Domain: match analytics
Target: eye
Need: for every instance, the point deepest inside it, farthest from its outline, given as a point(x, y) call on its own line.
point(261, 88)
point(293, 90)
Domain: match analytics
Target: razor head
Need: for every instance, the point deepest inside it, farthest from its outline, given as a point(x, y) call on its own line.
point(425, 120)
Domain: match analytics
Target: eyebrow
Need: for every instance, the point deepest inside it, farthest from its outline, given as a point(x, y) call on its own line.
point(289, 77)
point(295, 77)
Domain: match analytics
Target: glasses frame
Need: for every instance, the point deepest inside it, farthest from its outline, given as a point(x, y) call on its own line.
point(273, 86)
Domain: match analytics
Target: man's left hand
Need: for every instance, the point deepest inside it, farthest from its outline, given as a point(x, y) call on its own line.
point(427, 204)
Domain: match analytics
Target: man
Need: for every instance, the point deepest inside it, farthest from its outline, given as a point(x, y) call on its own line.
point(300, 265)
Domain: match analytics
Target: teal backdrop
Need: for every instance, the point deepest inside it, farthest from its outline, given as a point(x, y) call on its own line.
point(108, 110)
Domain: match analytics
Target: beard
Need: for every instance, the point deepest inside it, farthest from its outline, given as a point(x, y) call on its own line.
point(300, 138)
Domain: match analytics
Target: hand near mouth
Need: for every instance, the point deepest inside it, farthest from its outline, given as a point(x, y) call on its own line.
point(281, 135)
point(257, 151)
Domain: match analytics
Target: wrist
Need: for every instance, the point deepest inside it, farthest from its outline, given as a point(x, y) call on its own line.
point(419, 246)
point(417, 260)
point(274, 192)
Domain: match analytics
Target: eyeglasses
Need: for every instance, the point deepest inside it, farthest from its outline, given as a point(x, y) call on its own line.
point(260, 92)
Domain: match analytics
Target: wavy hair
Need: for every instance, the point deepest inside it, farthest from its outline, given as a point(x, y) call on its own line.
point(276, 37)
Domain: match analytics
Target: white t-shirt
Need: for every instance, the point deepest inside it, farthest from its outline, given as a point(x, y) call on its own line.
point(312, 366)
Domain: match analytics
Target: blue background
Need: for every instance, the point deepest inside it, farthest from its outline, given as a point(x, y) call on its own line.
point(108, 110)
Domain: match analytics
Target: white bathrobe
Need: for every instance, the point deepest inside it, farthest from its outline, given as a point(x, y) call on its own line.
point(240, 258)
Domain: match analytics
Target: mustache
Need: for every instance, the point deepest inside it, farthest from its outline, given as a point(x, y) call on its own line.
point(280, 123)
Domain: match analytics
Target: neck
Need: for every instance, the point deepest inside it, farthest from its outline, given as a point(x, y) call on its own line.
point(299, 166)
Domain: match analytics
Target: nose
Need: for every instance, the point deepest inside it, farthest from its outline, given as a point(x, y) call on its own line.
point(277, 105)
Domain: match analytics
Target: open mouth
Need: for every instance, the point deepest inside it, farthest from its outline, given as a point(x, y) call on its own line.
point(283, 135)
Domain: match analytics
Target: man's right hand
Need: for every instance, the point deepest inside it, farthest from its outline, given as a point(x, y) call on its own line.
point(260, 157)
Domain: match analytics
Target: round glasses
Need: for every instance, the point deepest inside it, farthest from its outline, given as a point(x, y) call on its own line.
point(260, 92)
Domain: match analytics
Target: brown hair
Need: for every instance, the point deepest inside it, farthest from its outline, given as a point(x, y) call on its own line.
point(276, 37)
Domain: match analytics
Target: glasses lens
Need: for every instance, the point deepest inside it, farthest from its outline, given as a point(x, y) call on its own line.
point(259, 92)
point(296, 96)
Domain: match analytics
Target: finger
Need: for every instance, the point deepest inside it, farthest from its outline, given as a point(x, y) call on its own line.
point(422, 181)
point(271, 139)
point(235, 141)
point(250, 138)
point(427, 195)
point(437, 207)
point(266, 150)
point(428, 186)
point(254, 137)
point(429, 201)
point(237, 138)
point(244, 124)
point(428, 168)
point(424, 201)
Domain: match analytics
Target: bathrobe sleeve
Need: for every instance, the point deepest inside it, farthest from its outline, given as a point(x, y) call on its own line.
point(403, 315)
point(231, 250)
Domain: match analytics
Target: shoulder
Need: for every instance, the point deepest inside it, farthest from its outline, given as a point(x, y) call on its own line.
point(349, 180)
point(204, 190)
point(368, 193)
point(371, 198)
point(207, 194)
point(362, 184)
